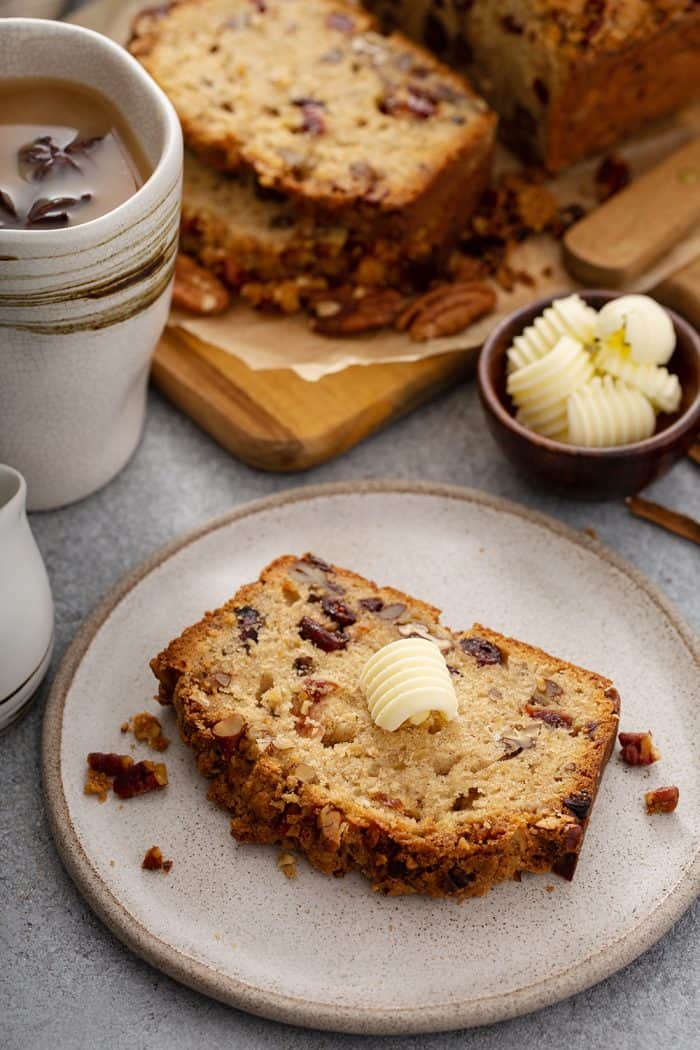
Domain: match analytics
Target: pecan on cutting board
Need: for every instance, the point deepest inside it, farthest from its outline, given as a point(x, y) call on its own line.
point(446, 310)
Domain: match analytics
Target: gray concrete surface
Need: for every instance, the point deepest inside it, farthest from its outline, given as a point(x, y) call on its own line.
point(65, 981)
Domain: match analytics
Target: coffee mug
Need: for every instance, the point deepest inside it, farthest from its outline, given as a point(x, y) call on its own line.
point(82, 307)
point(26, 606)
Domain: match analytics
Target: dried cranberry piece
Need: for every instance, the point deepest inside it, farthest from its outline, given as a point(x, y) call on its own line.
point(337, 610)
point(579, 803)
point(483, 652)
point(371, 604)
point(250, 621)
point(327, 641)
point(550, 717)
point(312, 119)
point(338, 20)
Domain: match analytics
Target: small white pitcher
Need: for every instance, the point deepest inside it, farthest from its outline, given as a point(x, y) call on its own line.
point(26, 606)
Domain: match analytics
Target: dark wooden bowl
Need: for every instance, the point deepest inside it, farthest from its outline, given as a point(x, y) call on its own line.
point(585, 473)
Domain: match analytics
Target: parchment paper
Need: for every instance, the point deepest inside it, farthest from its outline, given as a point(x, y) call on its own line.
point(264, 341)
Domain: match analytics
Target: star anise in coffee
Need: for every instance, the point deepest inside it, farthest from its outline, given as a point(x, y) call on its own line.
point(43, 155)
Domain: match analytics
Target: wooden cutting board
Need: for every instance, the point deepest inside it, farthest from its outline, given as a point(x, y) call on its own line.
point(275, 420)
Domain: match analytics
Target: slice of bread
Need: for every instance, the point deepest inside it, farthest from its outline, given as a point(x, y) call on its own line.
point(245, 233)
point(307, 94)
point(265, 690)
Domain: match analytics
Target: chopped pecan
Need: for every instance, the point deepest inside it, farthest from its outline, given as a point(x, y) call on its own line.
point(228, 732)
point(347, 311)
point(287, 864)
point(139, 779)
point(446, 309)
point(148, 729)
point(154, 860)
point(637, 749)
point(109, 763)
point(386, 800)
point(196, 289)
point(661, 800)
point(330, 824)
point(318, 688)
point(97, 784)
point(546, 690)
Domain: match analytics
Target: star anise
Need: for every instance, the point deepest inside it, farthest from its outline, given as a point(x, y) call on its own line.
point(7, 204)
point(53, 209)
point(39, 158)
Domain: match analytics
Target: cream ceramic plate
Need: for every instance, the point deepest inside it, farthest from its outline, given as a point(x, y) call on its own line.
point(330, 953)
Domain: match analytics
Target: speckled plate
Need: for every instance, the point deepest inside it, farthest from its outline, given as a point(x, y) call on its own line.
point(330, 953)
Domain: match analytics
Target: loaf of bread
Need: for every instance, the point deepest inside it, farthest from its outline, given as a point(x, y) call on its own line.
point(368, 131)
point(266, 691)
point(567, 77)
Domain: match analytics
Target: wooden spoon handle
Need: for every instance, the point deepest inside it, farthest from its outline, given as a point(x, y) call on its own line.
point(621, 238)
point(672, 520)
point(681, 291)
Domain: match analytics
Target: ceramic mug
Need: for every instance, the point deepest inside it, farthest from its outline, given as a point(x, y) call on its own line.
point(26, 606)
point(82, 308)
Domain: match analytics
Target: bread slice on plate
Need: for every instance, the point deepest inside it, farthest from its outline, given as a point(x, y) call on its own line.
point(266, 693)
point(319, 105)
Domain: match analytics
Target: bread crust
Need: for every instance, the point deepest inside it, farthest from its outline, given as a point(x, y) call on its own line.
point(251, 777)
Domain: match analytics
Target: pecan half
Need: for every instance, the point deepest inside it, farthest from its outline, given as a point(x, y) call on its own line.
point(662, 800)
point(637, 749)
point(347, 311)
point(445, 310)
point(196, 289)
